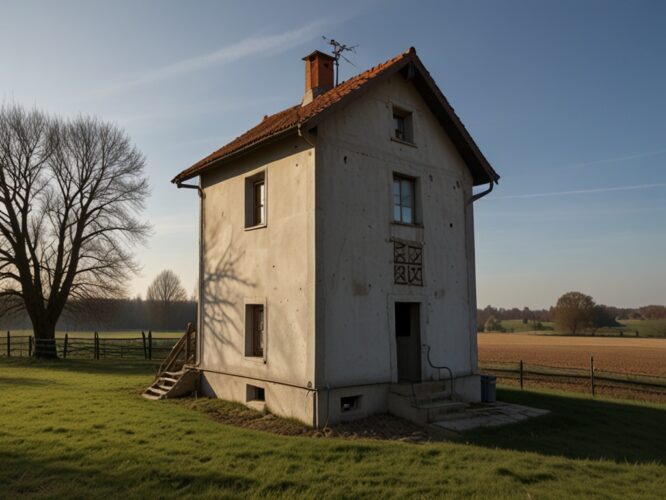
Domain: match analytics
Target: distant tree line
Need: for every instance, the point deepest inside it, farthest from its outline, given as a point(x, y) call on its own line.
point(572, 312)
point(114, 314)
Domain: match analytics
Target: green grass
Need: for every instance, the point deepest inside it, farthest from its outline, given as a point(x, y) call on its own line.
point(645, 328)
point(518, 326)
point(88, 334)
point(80, 429)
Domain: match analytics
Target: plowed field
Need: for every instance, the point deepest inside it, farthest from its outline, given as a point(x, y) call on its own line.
point(619, 355)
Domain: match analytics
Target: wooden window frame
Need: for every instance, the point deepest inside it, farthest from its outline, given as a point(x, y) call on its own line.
point(405, 133)
point(256, 205)
point(400, 178)
point(259, 202)
point(255, 330)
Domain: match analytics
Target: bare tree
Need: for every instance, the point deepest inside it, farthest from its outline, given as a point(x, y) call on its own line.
point(71, 192)
point(163, 292)
point(166, 289)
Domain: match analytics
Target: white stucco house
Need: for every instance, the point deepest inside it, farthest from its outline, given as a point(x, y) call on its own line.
point(337, 251)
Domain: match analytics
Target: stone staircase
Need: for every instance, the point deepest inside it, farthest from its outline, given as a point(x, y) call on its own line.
point(424, 402)
point(175, 378)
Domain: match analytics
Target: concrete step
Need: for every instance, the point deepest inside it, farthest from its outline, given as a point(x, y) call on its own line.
point(157, 390)
point(438, 411)
point(432, 398)
point(444, 406)
point(167, 380)
point(426, 388)
point(147, 395)
point(419, 389)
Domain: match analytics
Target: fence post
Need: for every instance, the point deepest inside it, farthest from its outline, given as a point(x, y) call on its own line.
point(29, 347)
point(64, 347)
point(187, 345)
point(150, 344)
point(9, 345)
point(521, 374)
point(145, 348)
point(96, 354)
point(592, 373)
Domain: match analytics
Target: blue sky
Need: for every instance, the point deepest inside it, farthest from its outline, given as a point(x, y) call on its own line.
point(566, 99)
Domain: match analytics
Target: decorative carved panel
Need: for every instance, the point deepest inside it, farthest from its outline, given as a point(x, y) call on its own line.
point(407, 263)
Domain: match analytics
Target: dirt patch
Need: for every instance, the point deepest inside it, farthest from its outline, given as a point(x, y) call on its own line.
point(382, 427)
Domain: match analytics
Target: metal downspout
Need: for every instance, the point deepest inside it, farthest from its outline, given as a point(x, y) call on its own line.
point(315, 390)
point(472, 312)
point(200, 325)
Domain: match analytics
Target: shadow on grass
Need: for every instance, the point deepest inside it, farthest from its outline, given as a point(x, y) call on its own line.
point(581, 427)
point(24, 381)
point(116, 367)
point(30, 475)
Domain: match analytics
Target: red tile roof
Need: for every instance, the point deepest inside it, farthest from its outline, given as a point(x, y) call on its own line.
point(291, 118)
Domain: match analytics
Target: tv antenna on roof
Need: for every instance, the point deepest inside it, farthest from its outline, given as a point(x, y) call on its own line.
point(338, 52)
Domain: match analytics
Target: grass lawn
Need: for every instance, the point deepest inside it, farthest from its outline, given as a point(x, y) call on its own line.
point(644, 327)
point(80, 429)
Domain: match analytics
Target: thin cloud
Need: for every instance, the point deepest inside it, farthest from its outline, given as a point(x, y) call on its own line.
point(581, 191)
point(254, 45)
point(636, 156)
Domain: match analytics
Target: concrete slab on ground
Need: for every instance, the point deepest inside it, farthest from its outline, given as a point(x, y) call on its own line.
point(488, 415)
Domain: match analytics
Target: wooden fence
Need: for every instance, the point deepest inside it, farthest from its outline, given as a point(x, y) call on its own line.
point(590, 377)
point(143, 346)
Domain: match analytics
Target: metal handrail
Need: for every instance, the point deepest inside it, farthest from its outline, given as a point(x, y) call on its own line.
point(439, 368)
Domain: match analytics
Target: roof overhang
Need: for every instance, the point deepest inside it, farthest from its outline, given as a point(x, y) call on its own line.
point(413, 70)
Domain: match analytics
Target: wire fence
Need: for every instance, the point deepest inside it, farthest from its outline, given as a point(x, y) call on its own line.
point(591, 378)
point(143, 346)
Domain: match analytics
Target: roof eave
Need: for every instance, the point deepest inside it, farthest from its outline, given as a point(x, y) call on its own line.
point(478, 160)
point(185, 176)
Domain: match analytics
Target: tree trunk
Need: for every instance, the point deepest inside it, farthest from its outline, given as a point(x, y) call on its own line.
point(45, 343)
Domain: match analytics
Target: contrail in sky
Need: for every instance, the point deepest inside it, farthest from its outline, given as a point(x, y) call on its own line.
point(254, 45)
point(636, 156)
point(581, 191)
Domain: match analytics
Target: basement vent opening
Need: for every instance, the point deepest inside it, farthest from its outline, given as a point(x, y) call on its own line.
point(254, 393)
point(349, 403)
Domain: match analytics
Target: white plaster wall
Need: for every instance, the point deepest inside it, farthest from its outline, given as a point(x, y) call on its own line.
point(281, 399)
point(273, 265)
point(355, 291)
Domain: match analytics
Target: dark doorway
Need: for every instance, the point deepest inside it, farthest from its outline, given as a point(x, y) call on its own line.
point(408, 341)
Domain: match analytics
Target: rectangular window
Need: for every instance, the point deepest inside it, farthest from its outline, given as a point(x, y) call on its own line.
point(403, 125)
point(255, 200)
point(255, 330)
point(254, 393)
point(399, 127)
point(259, 195)
point(350, 403)
point(403, 199)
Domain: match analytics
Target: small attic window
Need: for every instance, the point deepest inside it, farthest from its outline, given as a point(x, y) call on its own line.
point(403, 129)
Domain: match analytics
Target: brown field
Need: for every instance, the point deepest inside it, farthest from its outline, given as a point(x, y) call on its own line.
point(620, 355)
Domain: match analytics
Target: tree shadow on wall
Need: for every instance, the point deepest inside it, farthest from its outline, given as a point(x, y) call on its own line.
point(224, 289)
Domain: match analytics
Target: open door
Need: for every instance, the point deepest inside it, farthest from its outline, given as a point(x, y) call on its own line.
point(408, 341)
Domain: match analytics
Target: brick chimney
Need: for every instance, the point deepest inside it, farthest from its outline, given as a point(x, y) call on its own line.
point(318, 75)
